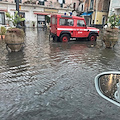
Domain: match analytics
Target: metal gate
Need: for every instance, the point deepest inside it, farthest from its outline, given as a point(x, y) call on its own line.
point(40, 20)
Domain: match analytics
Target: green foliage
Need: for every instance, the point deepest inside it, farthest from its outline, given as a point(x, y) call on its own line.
point(47, 18)
point(14, 19)
point(114, 20)
point(3, 30)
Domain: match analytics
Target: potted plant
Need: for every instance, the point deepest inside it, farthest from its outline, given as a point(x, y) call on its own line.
point(33, 23)
point(14, 36)
point(110, 35)
point(3, 32)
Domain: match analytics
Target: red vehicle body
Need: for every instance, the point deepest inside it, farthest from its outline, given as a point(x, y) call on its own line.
point(65, 27)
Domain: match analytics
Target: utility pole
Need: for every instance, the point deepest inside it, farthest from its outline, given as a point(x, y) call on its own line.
point(17, 9)
point(17, 6)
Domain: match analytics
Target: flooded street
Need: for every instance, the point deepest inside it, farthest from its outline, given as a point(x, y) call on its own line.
point(55, 81)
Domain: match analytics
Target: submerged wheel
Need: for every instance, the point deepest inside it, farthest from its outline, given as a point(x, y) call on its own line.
point(64, 38)
point(92, 37)
point(54, 38)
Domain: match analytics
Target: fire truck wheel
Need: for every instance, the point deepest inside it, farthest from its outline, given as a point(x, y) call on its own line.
point(64, 38)
point(92, 37)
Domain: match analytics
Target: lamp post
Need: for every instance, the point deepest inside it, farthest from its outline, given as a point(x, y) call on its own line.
point(17, 6)
point(17, 9)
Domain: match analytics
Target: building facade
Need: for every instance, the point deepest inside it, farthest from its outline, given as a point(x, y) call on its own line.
point(96, 12)
point(36, 11)
point(114, 7)
point(62, 3)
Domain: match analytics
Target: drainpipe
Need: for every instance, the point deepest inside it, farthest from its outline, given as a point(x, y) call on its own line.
point(110, 8)
point(96, 11)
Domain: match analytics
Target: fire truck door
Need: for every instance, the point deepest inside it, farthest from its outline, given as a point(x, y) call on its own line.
point(81, 30)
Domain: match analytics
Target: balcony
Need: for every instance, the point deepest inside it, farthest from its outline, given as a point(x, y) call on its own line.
point(29, 2)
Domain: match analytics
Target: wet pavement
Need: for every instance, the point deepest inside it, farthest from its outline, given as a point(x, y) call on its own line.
point(55, 81)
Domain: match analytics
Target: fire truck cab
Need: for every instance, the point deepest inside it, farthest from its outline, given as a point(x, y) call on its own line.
point(63, 27)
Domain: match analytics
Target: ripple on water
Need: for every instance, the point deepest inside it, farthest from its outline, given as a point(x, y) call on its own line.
point(47, 77)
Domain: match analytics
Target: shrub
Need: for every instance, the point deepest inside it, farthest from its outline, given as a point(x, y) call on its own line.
point(3, 30)
point(113, 20)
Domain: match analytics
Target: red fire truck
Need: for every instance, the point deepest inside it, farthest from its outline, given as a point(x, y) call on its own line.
point(64, 27)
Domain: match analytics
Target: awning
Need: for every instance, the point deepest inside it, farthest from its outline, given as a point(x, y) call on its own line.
point(86, 14)
point(39, 13)
point(3, 10)
point(117, 8)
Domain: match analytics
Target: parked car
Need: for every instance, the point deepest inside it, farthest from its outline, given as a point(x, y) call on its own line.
point(63, 27)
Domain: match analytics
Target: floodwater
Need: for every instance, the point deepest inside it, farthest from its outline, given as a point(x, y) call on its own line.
point(55, 81)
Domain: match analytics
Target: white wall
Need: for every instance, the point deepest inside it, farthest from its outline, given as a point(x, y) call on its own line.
point(114, 7)
point(29, 11)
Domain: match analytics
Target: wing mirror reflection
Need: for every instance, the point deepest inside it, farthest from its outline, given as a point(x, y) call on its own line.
point(107, 85)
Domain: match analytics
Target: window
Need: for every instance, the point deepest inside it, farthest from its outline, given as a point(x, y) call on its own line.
point(80, 23)
point(2, 18)
point(41, 2)
point(53, 20)
point(61, 5)
point(66, 22)
point(82, 7)
point(91, 4)
point(64, 1)
point(74, 5)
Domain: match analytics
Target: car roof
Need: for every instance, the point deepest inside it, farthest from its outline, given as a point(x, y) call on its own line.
point(66, 16)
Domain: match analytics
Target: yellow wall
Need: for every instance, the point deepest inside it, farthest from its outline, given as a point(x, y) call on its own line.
point(93, 17)
point(99, 17)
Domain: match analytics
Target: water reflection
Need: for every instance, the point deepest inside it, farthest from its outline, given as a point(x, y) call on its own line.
point(15, 59)
point(107, 56)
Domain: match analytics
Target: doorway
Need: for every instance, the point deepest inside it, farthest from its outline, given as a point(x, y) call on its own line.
point(22, 15)
point(41, 20)
point(103, 20)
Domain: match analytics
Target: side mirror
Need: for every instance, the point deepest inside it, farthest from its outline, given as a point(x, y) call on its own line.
point(84, 25)
point(107, 85)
